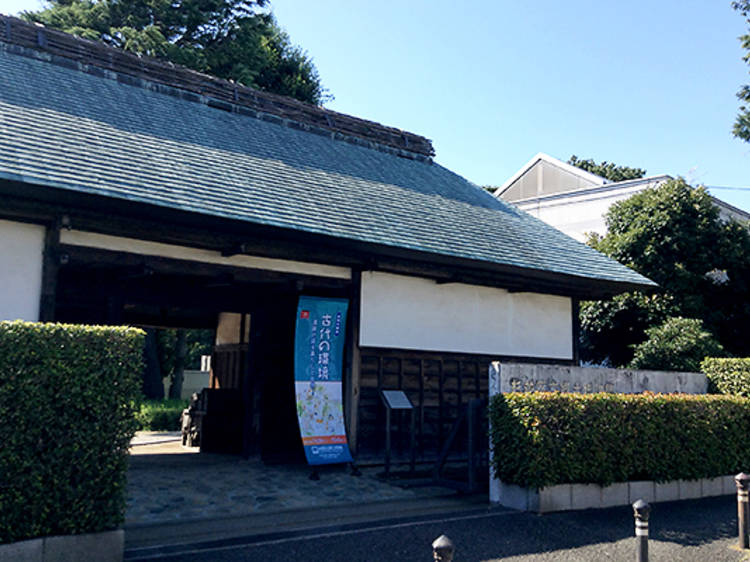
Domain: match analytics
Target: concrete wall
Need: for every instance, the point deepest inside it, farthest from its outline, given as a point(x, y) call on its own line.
point(21, 248)
point(520, 377)
point(107, 546)
point(402, 312)
point(567, 497)
point(193, 381)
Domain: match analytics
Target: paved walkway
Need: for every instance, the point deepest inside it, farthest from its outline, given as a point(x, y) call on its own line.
point(169, 483)
point(687, 531)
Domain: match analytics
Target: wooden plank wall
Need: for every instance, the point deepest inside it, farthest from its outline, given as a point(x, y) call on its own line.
point(227, 366)
point(436, 383)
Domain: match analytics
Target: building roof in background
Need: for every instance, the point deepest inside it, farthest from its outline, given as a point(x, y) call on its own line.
point(587, 178)
point(69, 125)
point(587, 183)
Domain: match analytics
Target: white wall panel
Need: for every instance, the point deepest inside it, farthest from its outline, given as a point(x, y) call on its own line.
point(21, 248)
point(402, 312)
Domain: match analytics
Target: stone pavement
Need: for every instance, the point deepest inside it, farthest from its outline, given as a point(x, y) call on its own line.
point(170, 483)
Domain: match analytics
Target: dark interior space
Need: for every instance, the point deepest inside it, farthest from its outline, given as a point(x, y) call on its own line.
point(251, 404)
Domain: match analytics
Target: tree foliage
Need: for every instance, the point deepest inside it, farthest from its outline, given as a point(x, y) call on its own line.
point(680, 344)
point(234, 39)
point(673, 235)
point(742, 123)
point(607, 170)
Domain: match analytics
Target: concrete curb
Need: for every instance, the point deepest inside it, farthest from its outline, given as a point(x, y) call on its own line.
point(571, 497)
point(107, 546)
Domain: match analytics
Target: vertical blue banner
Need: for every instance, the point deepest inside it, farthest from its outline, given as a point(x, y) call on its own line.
point(318, 364)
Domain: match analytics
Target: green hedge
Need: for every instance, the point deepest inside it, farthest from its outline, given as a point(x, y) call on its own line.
point(543, 438)
point(728, 376)
point(66, 420)
point(160, 415)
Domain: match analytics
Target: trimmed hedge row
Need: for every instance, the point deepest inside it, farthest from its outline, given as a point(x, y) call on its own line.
point(66, 413)
point(728, 375)
point(541, 439)
point(160, 415)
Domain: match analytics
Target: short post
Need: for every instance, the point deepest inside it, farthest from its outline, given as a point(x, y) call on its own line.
point(443, 549)
point(387, 441)
point(743, 481)
point(641, 511)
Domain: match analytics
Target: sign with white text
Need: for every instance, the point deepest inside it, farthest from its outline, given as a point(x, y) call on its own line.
point(318, 363)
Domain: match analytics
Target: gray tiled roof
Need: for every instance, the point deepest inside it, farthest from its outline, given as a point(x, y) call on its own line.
point(72, 130)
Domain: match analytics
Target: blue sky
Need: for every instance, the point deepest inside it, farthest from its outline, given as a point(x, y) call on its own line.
point(641, 83)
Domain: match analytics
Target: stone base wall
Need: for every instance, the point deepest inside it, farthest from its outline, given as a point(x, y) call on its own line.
point(567, 497)
point(102, 547)
point(528, 377)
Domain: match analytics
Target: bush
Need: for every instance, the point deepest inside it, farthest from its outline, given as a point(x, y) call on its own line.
point(680, 344)
point(160, 415)
point(727, 376)
point(543, 438)
point(66, 396)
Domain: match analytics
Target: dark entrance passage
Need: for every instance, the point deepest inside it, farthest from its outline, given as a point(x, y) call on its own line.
point(251, 402)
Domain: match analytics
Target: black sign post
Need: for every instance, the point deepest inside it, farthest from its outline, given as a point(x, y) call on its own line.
point(397, 400)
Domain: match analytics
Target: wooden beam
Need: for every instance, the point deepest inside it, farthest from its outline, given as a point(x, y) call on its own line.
point(84, 256)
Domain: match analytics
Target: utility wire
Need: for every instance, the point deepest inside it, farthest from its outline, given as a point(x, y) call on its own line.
point(728, 188)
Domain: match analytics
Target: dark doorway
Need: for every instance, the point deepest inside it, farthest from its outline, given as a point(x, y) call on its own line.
point(255, 372)
point(280, 439)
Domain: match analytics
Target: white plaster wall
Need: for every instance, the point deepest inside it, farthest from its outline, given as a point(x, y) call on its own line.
point(402, 312)
point(578, 214)
point(146, 248)
point(21, 248)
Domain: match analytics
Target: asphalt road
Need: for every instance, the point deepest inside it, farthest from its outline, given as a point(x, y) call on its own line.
point(698, 530)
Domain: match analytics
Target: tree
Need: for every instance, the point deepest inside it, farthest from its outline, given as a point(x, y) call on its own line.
point(180, 349)
point(680, 344)
point(607, 170)
point(153, 386)
point(673, 235)
point(742, 123)
point(233, 39)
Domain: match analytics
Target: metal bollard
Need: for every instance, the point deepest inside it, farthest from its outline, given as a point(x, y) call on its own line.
point(443, 549)
point(743, 481)
point(641, 511)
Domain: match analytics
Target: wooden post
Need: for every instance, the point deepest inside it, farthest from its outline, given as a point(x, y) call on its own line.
point(576, 319)
point(351, 405)
point(50, 268)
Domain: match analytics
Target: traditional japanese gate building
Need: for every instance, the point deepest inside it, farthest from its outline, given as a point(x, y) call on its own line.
point(136, 192)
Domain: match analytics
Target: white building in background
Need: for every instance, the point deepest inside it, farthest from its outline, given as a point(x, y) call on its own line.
point(574, 200)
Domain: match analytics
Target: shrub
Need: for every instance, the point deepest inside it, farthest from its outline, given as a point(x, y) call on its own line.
point(160, 415)
point(543, 438)
point(727, 376)
point(66, 395)
point(680, 344)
